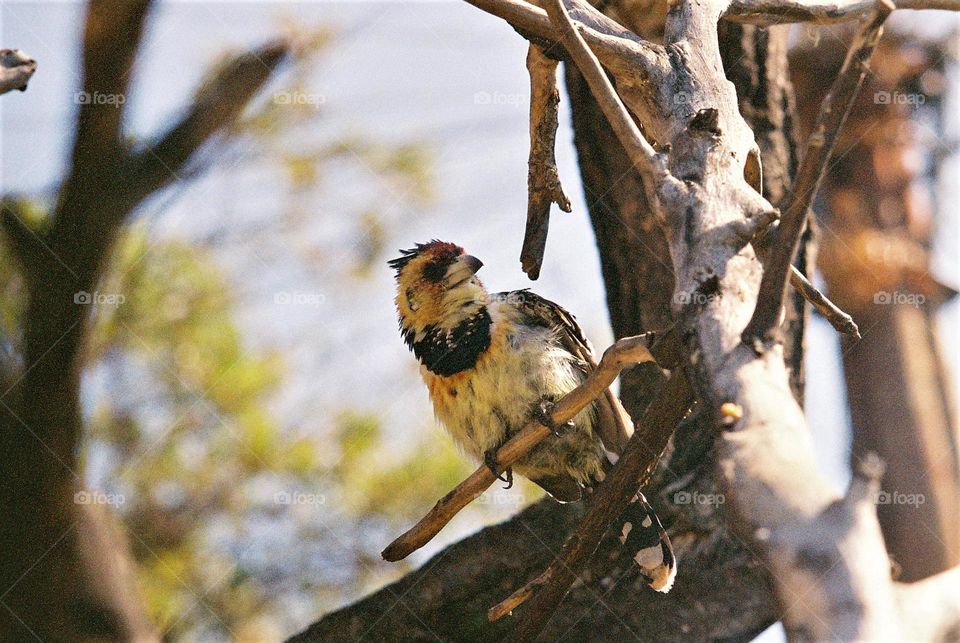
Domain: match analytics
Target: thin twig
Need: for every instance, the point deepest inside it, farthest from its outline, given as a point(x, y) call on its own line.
point(608, 502)
point(813, 166)
point(543, 179)
point(840, 320)
point(626, 352)
point(519, 597)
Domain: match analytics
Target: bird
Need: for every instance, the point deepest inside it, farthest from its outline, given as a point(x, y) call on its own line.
point(494, 361)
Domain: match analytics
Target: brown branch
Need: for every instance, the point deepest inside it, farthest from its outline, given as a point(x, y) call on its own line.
point(519, 597)
point(16, 68)
point(840, 320)
point(626, 352)
point(773, 12)
point(608, 502)
point(543, 179)
point(216, 107)
point(833, 113)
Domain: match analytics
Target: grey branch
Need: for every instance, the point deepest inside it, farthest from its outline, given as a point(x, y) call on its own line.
point(16, 68)
point(813, 166)
point(772, 12)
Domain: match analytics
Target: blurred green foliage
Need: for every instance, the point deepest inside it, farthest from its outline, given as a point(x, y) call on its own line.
point(241, 526)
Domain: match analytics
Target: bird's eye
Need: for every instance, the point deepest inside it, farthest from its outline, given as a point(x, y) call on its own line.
point(410, 301)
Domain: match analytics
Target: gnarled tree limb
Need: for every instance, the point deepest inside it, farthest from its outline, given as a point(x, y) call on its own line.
point(772, 12)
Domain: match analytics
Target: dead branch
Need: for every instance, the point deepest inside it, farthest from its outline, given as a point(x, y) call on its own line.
point(608, 502)
point(813, 165)
point(840, 320)
point(543, 180)
point(625, 352)
point(16, 68)
point(651, 165)
point(773, 12)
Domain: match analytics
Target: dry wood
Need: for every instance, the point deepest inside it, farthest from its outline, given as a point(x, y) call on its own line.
point(625, 352)
point(772, 12)
point(543, 180)
point(608, 502)
point(16, 68)
point(813, 166)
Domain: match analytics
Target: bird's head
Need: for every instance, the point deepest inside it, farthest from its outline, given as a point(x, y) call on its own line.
point(437, 286)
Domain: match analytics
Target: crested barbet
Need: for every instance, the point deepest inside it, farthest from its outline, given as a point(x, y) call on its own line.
point(494, 361)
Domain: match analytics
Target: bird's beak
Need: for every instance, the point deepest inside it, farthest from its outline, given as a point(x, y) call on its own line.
point(462, 269)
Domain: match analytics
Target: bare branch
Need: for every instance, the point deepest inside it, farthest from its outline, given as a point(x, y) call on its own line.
point(215, 108)
point(840, 320)
point(652, 166)
point(608, 502)
point(773, 12)
point(16, 68)
point(543, 180)
point(833, 113)
point(626, 352)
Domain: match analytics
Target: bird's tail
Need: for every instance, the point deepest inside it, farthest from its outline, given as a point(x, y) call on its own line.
point(642, 533)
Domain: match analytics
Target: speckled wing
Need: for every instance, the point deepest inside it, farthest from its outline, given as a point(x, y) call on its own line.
point(614, 425)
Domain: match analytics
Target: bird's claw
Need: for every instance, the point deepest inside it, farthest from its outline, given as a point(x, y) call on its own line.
point(490, 459)
point(543, 415)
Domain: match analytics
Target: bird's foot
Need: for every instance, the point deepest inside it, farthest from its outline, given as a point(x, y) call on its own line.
point(543, 414)
point(490, 459)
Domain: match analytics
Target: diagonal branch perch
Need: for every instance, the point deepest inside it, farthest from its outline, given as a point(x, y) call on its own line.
point(813, 166)
point(608, 502)
point(626, 352)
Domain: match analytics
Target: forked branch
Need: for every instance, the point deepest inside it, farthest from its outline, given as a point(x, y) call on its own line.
point(813, 166)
